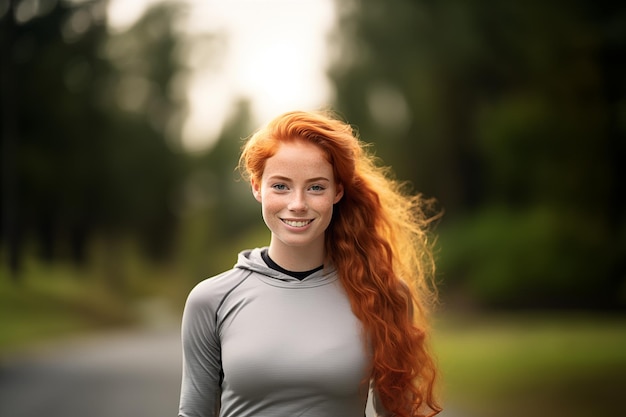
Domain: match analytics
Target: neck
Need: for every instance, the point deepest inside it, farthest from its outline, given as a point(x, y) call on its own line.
point(304, 258)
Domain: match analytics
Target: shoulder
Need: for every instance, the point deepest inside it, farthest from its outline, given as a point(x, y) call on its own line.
point(211, 292)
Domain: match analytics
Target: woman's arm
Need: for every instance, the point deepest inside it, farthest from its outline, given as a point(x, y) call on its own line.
point(201, 379)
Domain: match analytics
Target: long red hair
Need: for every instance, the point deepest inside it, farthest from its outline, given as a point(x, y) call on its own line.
point(379, 242)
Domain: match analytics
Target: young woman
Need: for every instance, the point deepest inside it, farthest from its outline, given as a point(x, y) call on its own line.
point(335, 307)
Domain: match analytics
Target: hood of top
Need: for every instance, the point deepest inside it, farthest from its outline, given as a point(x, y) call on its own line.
point(251, 260)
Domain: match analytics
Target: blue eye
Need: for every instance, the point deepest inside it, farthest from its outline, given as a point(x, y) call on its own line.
point(279, 187)
point(317, 188)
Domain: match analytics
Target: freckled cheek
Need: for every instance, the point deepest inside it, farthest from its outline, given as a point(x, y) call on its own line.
point(324, 207)
point(273, 203)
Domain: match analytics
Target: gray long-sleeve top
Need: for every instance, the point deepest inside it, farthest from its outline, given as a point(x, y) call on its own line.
point(260, 343)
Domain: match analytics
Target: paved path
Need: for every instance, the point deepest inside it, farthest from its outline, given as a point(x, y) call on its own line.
point(126, 374)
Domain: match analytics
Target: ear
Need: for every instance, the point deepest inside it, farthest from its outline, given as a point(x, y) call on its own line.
point(338, 194)
point(256, 190)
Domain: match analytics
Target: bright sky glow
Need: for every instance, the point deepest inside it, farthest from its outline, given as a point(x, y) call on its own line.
point(275, 55)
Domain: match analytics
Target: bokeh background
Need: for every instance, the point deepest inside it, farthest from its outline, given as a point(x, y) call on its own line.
point(122, 120)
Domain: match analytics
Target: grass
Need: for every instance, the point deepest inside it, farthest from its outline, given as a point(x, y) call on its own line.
point(540, 364)
point(54, 300)
point(44, 307)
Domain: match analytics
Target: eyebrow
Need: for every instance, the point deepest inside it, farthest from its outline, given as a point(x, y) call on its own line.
point(282, 178)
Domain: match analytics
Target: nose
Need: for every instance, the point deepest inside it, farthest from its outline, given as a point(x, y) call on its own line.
point(297, 202)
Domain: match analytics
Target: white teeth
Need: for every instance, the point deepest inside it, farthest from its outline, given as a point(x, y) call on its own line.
point(300, 223)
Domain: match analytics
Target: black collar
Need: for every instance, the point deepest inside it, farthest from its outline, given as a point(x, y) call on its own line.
point(296, 274)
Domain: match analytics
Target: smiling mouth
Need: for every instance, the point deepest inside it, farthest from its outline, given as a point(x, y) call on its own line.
point(297, 223)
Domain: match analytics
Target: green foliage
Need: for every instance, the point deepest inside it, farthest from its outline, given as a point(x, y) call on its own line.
point(108, 211)
point(511, 115)
point(91, 118)
point(218, 216)
point(537, 364)
point(538, 257)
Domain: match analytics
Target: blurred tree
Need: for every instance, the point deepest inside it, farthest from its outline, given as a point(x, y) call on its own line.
point(9, 231)
point(145, 101)
point(234, 204)
point(512, 115)
point(217, 206)
point(50, 133)
point(85, 122)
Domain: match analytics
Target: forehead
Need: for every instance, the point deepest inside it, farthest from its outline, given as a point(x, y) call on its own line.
point(297, 159)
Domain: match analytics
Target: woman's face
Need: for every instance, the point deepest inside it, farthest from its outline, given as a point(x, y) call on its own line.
point(297, 192)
